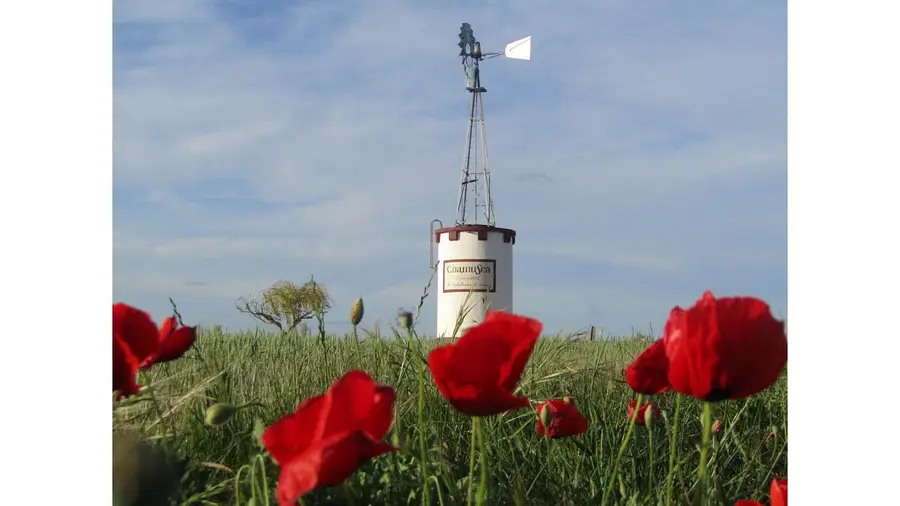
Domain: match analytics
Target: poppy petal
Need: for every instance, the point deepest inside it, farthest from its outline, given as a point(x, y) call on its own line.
point(495, 352)
point(642, 412)
point(168, 326)
point(476, 357)
point(439, 361)
point(124, 369)
point(726, 348)
point(175, 345)
point(778, 492)
point(330, 462)
point(649, 373)
point(527, 331)
point(136, 329)
point(293, 434)
point(481, 401)
point(359, 403)
point(757, 350)
point(381, 417)
point(485, 364)
point(565, 420)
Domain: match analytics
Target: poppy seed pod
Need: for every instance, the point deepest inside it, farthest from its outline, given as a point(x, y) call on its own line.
point(356, 312)
point(219, 413)
point(405, 319)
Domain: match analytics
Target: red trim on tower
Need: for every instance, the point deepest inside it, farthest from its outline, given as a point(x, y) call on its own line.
point(509, 235)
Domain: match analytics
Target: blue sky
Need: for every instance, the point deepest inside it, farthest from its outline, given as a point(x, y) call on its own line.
point(641, 155)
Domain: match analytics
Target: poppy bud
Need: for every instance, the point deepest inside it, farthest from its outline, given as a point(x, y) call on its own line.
point(567, 399)
point(649, 416)
point(546, 417)
point(356, 312)
point(219, 413)
point(405, 319)
point(717, 426)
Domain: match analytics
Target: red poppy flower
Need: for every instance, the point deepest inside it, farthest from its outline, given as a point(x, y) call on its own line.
point(329, 436)
point(642, 412)
point(174, 341)
point(138, 344)
point(648, 373)
point(727, 348)
point(564, 419)
point(125, 367)
point(778, 492)
point(135, 338)
point(479, 372)
point(777, 495)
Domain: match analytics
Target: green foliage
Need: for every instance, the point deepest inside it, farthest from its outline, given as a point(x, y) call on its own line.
point(277, 373)
point(285, 304)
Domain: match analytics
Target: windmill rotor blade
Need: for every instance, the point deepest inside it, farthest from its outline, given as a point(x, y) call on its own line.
point(519, 49)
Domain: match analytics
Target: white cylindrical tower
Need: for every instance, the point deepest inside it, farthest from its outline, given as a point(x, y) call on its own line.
point(475, 274)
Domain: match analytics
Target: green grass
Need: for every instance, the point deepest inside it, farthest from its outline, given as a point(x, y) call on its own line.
point(277, 372)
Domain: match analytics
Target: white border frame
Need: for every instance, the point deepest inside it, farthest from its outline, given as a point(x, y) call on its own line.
point(56, 267)
point(56, 205)
point(843, 250)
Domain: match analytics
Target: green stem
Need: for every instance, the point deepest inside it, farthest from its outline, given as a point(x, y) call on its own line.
point(615, 475)
point(265, 479)
point(395, 440)
point(249, 405)
point(673, 440)
point(472, 460)
point(423, 453)
point(237, 484)
point(652, 458)
point(159, 410)
point(702, 474)
point(254, 486)
point(482, 456)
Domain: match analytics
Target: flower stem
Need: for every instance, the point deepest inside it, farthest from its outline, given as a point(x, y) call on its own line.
point(159, 410)
point(423, 453)
point(264, 479)
point(652, 458)
point(472, 460)
point(673, 446)
point(702, 474)
point(482, 456)
point(615, 470)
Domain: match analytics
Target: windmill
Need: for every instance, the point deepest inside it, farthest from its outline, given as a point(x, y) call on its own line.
point(475, 257)
point(475, 200)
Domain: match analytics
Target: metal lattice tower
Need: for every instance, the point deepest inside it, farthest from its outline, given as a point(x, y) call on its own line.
point(475, 200)
point(475, 204)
